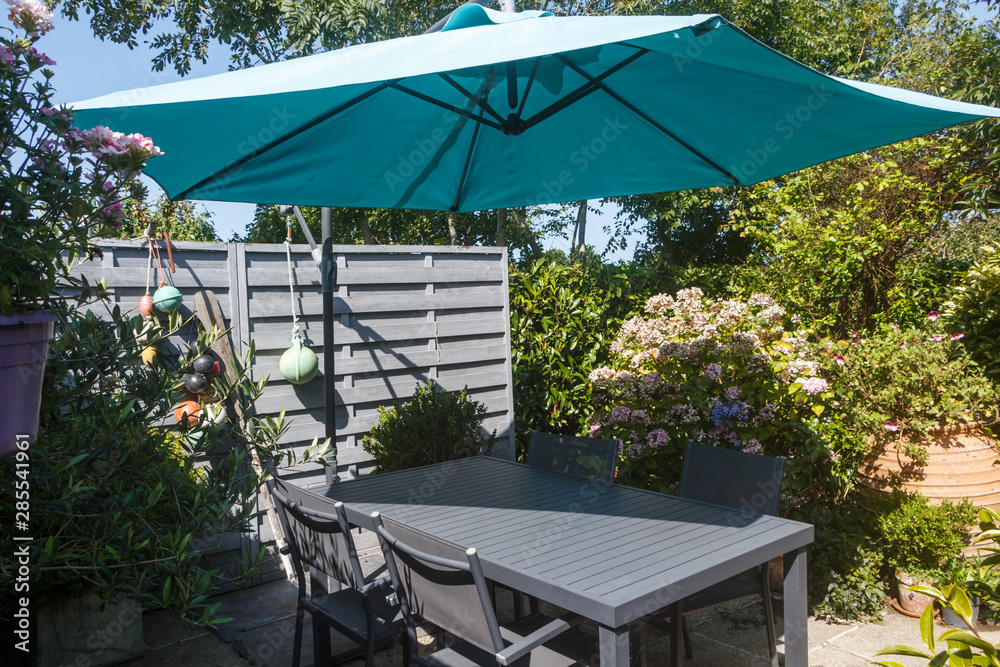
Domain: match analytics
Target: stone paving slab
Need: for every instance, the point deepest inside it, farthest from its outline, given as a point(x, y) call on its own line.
point(731, 635)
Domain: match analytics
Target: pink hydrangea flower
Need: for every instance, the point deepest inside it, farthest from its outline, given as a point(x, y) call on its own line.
point(813, 386)
point(752, 446)
point(640, 416)
point(713, 371)
point(656, 438)
point(733, 393)
point(620, 413)
point(594, 428)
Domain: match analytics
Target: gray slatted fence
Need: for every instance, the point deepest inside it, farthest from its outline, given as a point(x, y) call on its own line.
point(403, 315)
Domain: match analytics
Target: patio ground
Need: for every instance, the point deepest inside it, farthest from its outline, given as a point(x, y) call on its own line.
point(264, 621)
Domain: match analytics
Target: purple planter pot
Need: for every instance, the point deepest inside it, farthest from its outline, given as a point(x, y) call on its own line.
point(24, 345)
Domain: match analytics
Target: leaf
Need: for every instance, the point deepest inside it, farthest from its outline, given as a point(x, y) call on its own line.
point(818, 409)
point(899, 649)
point(968, 638)
point(927, 626)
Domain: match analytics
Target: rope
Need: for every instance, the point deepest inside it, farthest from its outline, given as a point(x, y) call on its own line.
point(154, 246)
point(296, 335)
point(149, 265)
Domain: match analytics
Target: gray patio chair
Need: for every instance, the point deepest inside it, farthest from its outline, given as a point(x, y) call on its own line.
point(592, 458)
point(748, 483)
point(441, 583)
point(363, 610)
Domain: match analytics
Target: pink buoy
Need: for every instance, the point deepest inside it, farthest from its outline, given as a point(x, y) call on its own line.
point(146, 305)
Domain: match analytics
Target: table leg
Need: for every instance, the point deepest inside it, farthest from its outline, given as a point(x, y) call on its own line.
point(614, 646)
point(796, 611)
point(677, 634)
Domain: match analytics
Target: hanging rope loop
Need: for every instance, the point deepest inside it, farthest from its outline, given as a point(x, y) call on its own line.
point(296, 334)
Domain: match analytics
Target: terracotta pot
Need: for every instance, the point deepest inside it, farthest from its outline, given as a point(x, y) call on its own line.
point(959, 466)
point(911, 601)
point(24, 345)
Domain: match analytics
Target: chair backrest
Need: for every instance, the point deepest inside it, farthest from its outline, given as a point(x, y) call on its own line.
point(309, 532)
point(439, 582)
point(747, 482)
point(585, 457)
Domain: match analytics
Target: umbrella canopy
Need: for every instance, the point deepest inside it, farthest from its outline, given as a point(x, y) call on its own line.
point(500, 110)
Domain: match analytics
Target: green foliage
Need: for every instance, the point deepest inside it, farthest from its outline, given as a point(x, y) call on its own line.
point(433, 426)
point(845, 562)
point(923, 539)
point(181, 220)
point(961, 647)
point(898, 384)
point(118, 502)
point(562, 319)
point(974, 309)
point(847, 241)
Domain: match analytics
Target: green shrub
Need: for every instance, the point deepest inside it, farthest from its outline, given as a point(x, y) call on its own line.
point(562, 322)
point(897, 384)
point(922, 539)
point(974, 310)
point(432, 427)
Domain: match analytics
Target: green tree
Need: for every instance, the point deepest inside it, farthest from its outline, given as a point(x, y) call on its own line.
point(181, 220)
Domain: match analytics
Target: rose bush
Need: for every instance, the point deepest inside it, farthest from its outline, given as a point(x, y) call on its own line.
point(58, 185)
point(729, 373)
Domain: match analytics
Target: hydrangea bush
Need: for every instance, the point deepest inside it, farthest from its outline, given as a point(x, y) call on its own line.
point(59, 185)
point(728, 373)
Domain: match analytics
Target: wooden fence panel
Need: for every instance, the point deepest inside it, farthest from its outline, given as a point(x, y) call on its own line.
point(403, 315)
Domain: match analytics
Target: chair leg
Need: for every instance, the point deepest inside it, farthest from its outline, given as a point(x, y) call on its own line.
point(676, 633)
point(297, 646)
point(688, 647)
point(637, 645)
point(321, 644)
point(765, 591)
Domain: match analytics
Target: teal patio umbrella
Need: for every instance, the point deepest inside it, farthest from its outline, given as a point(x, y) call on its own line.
point(498, 110)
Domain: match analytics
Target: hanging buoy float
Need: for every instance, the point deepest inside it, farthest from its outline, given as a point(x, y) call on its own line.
point(205, 365)
point(167, 299)
point(196, 383)
point(149, 355)
point(298, 364)
point(187, 413)
point(146, 305)
point(215, 413)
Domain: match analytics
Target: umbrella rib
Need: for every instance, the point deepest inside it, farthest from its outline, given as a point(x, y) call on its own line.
point(631, 107)
point(481, 103)
point(285, 137)
point(449, 107)
point(472, 144)
point(527, 87)
point(593, 84)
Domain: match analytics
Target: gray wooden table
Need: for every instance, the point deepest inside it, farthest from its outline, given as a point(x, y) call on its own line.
point(610, 553)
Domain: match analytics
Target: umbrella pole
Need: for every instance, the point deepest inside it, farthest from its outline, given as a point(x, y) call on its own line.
point(328, 271)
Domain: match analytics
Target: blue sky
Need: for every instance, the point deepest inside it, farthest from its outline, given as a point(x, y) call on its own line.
point(87, 67)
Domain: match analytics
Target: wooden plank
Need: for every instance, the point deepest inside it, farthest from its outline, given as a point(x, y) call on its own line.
point(306, 273)
point(376, 362)
point(271, 305)
point(272, 335)
point(270, 248)
point(136, 277)
point(310, 397)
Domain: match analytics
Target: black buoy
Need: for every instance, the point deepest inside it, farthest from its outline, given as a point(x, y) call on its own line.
point(203, 364)
point(195, 382)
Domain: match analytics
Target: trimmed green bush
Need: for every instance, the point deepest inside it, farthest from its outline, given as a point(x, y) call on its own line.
point(431, 427)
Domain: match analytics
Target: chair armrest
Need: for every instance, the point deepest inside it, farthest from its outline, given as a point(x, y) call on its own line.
point(543, 634)
point(381, 596)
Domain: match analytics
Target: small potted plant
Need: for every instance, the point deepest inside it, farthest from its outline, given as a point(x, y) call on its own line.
point(922, 542)
point(58, 187)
